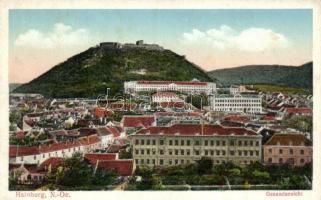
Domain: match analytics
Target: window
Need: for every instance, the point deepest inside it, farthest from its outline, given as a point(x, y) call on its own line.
point(280, 151)
point(245, 153)
point(206, 143)
point(161, 142)
point(257, 143)
point(240, 143)
point(291, 151)
point(182, 152)
point(147, 161)
point(148, 151)
point(170, 162)
point(280, 160)
point(154, 142)
point(188, 142)
point(182, 142)
point(136, 151)
point(251, 143)
point(223, 152)
point(136, 142)
point(161, 152)
point(257, 153)
point(302, 151)
point(142, 142)
point(176, 162)
point(171, 142)
point(182, 161)
point(218, 152)
point(270, 160)
point(231, 143)
point(223, 143)
point(197, 142)
point(206, 152)
point(34, 157)
point(142, 161)
point(217, 143)
point(245, 143)
point(197, 152)
point(212, 143)
point(270, 150)
point(301, 160)
point(176, 152)
point(21, 159)
point(142, 151)
point(240, 153)
point(148, 142)
point(176, 142)
point(187, 152)
point(232, 153)
point(154, 161)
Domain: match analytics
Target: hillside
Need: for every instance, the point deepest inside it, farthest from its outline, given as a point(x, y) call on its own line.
point(89, 73)
point(13, 86)
point(291, 76)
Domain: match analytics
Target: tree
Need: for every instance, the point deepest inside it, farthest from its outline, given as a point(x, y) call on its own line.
point(199, 100)
point(205, 165)
point(74, 172)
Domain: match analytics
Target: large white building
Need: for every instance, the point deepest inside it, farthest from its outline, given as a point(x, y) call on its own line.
point(180, 86)
point(164, 97)
point(237, 103)
point(187, 143)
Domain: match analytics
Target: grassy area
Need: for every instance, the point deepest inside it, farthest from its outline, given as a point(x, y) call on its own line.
point(282, 89)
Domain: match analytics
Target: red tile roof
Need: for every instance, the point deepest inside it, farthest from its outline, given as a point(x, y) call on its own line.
point(20, 134)
point(22, 151)
point(93, 157)
point(138, 121)
point(122, 167)
point(115, 131)
point(53, 162)
point(177, 104)
point(195, 129)
point(178, 114)
point(298, 110)
point(287, 139)
point(237, 118)
point(173, 82)
point(102, 112)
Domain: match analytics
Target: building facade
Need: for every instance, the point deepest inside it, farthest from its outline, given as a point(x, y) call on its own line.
point(180, 86)
point(293, 149)
point(187, 143)
point(237, 103)
point(164, 97)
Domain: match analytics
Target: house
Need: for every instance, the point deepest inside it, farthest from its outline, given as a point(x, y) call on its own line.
point(52, 164)
point(299, 111)
point(293, 149)
point(38, 154)
point(92, 158)
point(122, 167)
point(132, 123)
point(27, 173)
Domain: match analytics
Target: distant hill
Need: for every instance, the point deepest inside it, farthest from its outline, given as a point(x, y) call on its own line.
point(290, 76)
point(13, 86)
point(89, 73)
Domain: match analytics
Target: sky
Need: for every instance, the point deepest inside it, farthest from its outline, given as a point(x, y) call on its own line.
point(212, 39)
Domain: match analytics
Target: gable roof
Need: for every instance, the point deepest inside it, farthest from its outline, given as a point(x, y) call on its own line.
point(122, 167)
point(93, 157)
point(53, 162)
point(138, 120)
point(289, 140)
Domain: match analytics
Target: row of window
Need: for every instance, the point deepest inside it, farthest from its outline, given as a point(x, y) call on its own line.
point(289, 160)
point(238, 100)
point(53, 154)
point(289, 151)
point(188, 152)
point(237, 105)
point(176, 161)
point(182, 142)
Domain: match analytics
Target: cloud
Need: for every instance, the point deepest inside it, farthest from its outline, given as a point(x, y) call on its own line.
point(248, 40)
point(61, 36)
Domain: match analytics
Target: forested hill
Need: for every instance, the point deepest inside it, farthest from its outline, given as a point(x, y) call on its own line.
point(291, 76)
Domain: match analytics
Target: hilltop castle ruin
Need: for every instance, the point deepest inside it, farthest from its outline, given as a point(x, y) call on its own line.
point(139, 44)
